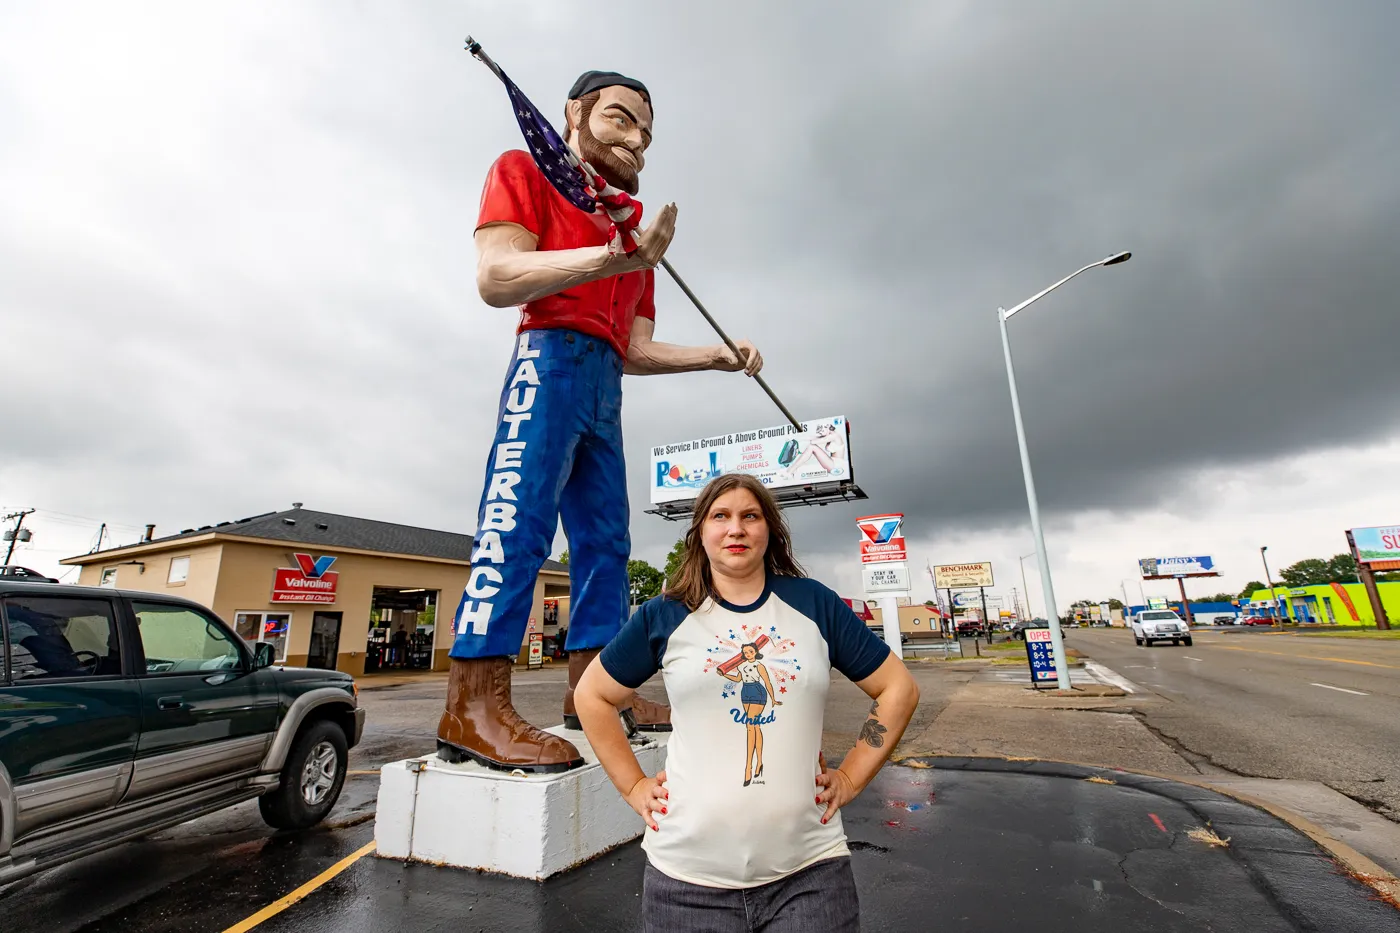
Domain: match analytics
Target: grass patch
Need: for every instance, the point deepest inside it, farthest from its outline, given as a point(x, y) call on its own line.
point(1209, 838)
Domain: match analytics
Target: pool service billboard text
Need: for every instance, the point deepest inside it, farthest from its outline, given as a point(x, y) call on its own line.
point(779, 457)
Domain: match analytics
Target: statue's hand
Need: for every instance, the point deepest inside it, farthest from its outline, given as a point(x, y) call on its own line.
point(656, 238)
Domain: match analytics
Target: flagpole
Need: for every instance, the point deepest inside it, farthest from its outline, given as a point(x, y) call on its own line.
point(475, 48)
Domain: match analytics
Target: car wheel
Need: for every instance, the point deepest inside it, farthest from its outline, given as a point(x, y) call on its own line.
point(1138, 640)
point(1176, 642)
point(311, 779)
point(1187, 642)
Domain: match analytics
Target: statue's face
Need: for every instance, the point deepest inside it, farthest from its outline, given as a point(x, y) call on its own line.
point(615, 135)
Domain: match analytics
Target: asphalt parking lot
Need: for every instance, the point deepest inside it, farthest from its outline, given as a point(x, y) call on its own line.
point(977, 844)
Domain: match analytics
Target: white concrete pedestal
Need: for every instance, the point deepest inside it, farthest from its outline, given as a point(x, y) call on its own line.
point(526, 825)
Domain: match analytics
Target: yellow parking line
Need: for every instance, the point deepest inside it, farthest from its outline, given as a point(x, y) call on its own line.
point(276, 907)
point(1307, 657)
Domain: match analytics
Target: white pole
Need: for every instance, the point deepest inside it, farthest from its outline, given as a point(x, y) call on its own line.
point(1052, 615)
point(889, 615)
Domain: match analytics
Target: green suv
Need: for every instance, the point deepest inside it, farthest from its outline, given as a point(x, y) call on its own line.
point(123, 713)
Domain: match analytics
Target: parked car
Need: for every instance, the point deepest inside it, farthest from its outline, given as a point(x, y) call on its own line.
point(125, 713)
point(1018, 630)
point(1160, 625)
point(969, 629)
point(16, 572)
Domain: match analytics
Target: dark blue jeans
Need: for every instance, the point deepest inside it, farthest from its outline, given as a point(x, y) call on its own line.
point(557, 455)
point(820, 898)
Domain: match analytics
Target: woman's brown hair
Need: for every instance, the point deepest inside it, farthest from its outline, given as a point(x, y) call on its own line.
point(692, 582)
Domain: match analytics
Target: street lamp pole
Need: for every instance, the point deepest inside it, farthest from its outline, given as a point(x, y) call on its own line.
point(1057, 641)
point(1278, 620)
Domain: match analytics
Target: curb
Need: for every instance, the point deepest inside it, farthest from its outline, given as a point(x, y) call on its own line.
point(1216, 806)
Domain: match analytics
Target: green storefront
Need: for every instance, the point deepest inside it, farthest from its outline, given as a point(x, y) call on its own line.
point(1334, 604)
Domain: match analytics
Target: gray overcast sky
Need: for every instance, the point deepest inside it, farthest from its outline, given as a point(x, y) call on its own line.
point(238, 268)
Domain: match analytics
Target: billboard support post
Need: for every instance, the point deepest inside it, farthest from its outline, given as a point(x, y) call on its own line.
point(986, 619)
point(1185, 603)
point(1368, 580)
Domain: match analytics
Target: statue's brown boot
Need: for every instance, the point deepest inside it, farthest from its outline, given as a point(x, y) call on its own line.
point(643, 715)
point(481, 724)
point(578, 663)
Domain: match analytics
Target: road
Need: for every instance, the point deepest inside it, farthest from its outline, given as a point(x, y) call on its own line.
point(1277, 706)
point(210, 873)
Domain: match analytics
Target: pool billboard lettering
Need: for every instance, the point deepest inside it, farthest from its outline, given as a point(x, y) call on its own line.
point(779, 457)
point(1377, 544)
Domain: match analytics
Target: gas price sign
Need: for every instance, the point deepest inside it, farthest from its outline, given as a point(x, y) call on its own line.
point(1040, 656)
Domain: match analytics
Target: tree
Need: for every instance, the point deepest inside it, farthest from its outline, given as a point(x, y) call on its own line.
point(1312, 571)
point(673, 559)
point(643, 580)
point(1217, 598)
point(1251, 588)
point(564, 558)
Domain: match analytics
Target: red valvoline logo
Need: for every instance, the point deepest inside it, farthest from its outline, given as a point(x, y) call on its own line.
point(310, 581)
point(314, 568)
point(881, 538)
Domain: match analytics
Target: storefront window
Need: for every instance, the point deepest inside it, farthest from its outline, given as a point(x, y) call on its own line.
point(271, 627)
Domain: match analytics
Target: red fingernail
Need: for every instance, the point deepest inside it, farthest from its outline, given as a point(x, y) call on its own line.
point(817, 799)
point(663, 811)
point(823, 821)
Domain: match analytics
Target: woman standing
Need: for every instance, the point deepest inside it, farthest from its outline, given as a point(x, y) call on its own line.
point(740, 593)
point(756, 690)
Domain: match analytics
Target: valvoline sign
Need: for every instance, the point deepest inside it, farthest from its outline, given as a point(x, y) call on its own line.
point(310, 581)
point(882, 538)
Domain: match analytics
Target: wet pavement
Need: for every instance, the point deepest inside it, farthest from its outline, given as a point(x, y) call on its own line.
point(1028, 845)
point(972, 844)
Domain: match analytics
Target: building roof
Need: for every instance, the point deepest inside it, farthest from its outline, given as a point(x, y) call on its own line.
point(328, 530)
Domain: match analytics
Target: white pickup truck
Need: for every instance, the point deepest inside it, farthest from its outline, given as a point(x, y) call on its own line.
point(1160, 625)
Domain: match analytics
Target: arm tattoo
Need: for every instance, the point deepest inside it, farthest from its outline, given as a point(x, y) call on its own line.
point(872, 732)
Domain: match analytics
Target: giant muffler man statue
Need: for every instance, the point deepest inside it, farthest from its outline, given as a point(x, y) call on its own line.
point(586, 317)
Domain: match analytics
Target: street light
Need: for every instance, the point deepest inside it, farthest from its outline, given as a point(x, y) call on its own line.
point(1057, 641)
point(1272, 595)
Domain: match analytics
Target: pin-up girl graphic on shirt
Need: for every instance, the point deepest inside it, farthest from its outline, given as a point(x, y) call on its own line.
point(754, 694)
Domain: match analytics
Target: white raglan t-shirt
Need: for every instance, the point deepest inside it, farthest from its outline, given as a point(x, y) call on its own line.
point(717, 831)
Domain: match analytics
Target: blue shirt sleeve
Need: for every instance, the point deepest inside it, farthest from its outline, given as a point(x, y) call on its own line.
point(636, 651)
point(855, 650)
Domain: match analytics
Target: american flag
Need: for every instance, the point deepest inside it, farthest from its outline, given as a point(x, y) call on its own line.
point(573, 178)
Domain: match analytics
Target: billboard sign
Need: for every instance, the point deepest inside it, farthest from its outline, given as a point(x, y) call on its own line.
point(959, 576)
point(1373, 545)
point(779, 457)
point(882, 538)
point(1156, 602)
point(888, 577)
point(1178, 567)
point(310, 581)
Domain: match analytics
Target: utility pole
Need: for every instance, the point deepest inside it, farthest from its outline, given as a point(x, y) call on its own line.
point(1272, 595)
point(1029, 611)
point(14, 534)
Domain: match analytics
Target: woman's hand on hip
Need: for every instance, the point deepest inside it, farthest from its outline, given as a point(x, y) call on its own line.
point(648, 796)
point(835, 789)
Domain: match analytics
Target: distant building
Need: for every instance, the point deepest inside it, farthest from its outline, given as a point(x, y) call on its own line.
point(1336, 603)
point(328, 591)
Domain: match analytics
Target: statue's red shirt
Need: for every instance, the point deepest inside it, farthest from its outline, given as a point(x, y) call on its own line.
point(517, 192)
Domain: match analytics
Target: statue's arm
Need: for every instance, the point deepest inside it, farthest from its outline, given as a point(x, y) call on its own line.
point(510, 271)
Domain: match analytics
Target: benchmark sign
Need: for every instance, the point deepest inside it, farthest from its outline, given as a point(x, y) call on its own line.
point(960, 576)
point(310, 581)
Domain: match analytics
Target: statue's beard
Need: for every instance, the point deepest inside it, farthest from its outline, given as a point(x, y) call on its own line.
point(616, 172)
